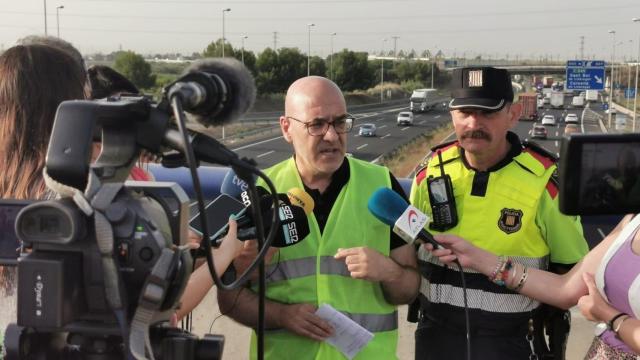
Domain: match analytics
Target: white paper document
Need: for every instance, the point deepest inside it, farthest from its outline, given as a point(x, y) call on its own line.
point(348, 337)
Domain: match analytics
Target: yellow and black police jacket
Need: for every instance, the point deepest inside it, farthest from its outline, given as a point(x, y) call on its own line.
point(509, 210)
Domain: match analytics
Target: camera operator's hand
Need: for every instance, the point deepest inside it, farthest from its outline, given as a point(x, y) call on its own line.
point(301, 319)
point(230, 244)
point(193, 241)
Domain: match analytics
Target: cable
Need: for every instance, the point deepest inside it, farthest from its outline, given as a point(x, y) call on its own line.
point(467, 323)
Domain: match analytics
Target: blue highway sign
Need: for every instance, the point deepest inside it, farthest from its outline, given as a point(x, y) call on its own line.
point(629, 93)
point(585, 75)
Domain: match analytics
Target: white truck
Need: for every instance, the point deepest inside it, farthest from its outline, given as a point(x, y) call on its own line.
point(591, 95)
point(577, 101)
point(556, 99)
point(422, 100)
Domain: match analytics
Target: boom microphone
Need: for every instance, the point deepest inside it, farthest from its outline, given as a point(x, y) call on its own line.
point(215, 91)
point(407, 221)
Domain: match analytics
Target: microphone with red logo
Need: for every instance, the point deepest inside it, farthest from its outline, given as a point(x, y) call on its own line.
point(406, 220)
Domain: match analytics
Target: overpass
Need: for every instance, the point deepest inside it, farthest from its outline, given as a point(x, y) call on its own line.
point(529, 69)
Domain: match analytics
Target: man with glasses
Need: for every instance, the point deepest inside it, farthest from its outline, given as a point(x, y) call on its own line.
point(349, 261)
point(501, 194)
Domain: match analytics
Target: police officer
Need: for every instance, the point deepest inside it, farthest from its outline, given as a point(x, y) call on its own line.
point(501, 194)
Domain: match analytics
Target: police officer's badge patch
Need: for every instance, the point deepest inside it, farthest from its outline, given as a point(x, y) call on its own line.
point(510, 220)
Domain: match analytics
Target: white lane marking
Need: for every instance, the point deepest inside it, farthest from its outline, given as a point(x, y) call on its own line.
point(257, 143)
point(558, 155)
point(385, 136)
point(367, 115)
point(422, 122)
point(267, 153)
point(380, 127)
point(437, 116)
point(601, 233)
point(361, 146)
point(405, 128)
point(557, 143)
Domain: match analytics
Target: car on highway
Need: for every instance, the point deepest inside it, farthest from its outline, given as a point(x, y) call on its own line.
point(405, 118)
point(367, 130)
point(571, 118)
point(539, 131)
point(571, 129)
point(548, 120)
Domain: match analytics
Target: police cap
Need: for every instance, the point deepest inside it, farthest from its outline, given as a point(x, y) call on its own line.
point(484, 88)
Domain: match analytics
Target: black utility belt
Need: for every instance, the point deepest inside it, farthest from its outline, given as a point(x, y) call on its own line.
point(482, 323)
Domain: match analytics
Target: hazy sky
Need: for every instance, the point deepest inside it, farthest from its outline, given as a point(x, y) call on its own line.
point(488, 27)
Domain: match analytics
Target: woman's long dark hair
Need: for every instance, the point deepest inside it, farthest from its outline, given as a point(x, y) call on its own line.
point(34, 80)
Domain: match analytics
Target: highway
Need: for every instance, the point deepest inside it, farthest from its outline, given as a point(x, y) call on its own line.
point(267, 151)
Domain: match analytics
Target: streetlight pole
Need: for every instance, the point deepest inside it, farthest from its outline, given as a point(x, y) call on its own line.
point(45, 18)
point(223, 38)
point(331, 57)
point(243, 37)
point(395, 48)
point(628, 88)
point(309, 25)
point(611, 87)
point(382, 72)
point(58, 18)
point(635, 93)
point(433, 62)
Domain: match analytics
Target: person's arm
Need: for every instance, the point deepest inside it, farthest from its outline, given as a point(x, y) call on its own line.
point(242, 306)
point(396, 273)
point(200, 280)
point(569, 287)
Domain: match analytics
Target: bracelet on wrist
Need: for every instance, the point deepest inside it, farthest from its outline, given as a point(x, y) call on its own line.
point(523, 279)
point(613, 319)
point(500, 277)
point(623, 319)
point(499, 265)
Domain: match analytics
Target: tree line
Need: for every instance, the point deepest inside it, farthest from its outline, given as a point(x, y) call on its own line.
point(275, 70)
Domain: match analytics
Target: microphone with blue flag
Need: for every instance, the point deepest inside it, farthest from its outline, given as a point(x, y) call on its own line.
point(406, 220)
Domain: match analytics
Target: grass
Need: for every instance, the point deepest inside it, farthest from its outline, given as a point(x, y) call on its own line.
point(404, 159)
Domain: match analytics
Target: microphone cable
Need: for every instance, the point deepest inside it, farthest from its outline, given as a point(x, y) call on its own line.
point(467, 323)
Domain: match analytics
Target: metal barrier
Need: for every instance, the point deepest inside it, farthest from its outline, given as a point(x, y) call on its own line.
point(211, 178)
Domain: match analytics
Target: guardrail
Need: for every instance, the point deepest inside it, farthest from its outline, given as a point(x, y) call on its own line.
point(211, 178)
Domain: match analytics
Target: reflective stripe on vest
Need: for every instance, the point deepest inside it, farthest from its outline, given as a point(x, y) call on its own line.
point(287, 270)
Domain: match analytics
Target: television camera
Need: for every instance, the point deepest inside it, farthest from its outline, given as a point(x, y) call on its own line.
point(107, 260)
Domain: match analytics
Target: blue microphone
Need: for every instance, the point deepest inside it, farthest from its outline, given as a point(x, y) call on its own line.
point(406, 220)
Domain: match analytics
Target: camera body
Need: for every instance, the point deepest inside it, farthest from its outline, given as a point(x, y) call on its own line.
point(61, 281)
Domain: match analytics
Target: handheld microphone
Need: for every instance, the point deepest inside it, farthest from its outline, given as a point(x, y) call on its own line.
point(292, 221)
point(215, 91)
point(237, 188)
point(301, 198)
point(407, 221)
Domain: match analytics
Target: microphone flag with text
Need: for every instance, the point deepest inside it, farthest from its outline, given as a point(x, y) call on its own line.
point(406, 220)
point(293, 222)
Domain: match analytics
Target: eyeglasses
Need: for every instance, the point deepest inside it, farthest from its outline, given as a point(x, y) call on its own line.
point(319, 127)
